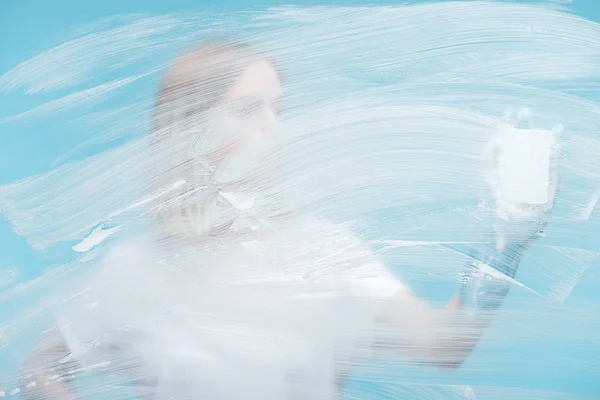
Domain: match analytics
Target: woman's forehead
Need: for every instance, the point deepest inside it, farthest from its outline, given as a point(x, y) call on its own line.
point(258, 80)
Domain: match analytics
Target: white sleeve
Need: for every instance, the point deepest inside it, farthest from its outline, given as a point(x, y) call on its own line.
point(75, 342)
point(364, 274)
point(104, 303)
point(84, 321)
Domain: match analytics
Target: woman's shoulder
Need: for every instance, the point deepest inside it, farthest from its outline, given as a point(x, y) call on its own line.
point(123, 261)
point(365, 273)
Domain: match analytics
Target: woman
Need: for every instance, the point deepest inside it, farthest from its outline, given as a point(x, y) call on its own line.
point(231, 297)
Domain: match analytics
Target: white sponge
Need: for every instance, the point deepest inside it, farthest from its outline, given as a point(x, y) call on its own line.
point(523, 174)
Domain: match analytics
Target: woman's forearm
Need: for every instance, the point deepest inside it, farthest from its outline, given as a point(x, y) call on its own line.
point(447, 337)
point(426, 335)
point(47, 385)
point(52, 391)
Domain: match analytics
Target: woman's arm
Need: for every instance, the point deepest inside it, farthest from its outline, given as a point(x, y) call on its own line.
point(446, 337)
point(426, 335)
point(43, 365)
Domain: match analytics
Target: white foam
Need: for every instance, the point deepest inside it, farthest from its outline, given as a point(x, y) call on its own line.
point(239, 200)
point(499, 275)
point(394, 244)
point(96, 237)
point(586, 211)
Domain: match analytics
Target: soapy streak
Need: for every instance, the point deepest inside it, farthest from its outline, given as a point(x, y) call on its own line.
point(73, 100)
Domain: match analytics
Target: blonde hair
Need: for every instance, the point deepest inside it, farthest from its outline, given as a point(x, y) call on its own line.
point(194, 84)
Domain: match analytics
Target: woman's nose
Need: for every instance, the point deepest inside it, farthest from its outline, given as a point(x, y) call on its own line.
point(270, 122)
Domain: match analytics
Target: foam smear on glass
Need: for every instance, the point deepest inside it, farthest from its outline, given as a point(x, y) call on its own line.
point(192, 273)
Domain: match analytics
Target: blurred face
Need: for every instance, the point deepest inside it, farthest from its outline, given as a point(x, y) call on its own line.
point(254, 100)
point(248, 114)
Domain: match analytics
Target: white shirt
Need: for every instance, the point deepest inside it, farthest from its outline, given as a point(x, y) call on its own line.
point(258, 319)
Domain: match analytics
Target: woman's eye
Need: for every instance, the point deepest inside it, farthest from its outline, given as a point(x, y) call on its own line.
point(248, 109)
